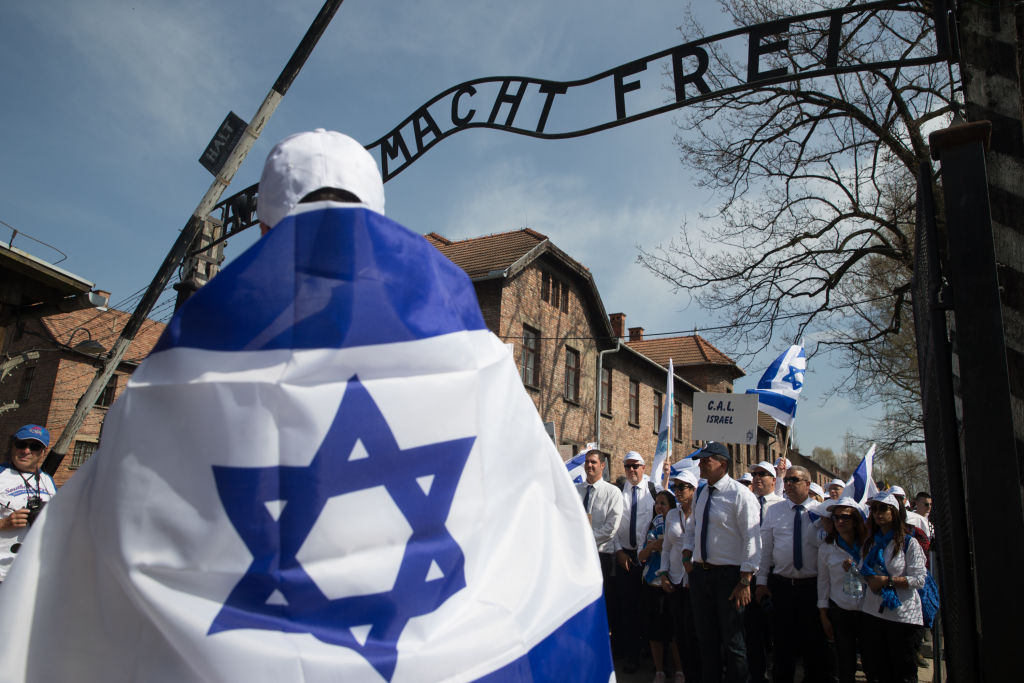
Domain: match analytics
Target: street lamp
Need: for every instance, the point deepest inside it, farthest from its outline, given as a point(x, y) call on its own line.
point(89, 345)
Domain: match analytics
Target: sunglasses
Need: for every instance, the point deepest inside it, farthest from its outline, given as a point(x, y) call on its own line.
point(793, 480)
point(681, 487)
point(33, 446)
point(634, 466)
point(842, 518)
point(760, 474)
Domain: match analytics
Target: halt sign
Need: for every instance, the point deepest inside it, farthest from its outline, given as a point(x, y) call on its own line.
point(727, 418)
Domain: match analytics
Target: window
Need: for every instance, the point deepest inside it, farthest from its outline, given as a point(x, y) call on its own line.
point(556, 292)
point(545, 286)
point(531, 357)
point(26, 383)
point(83, 450)
point(659, 399)
point(677, 421)
point(572, 375)
point(634, 402)
point(606, 391)
point(565, 299)
point(106, 396)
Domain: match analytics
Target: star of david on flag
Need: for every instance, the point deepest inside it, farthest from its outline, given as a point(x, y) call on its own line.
point(780, 385)
point(328, 469)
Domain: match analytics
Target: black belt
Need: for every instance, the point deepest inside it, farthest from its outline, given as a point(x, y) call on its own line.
point(793, 582)
point(709, 566)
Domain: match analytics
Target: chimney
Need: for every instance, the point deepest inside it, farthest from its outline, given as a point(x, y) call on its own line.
point(618, 321)
point(636, 334)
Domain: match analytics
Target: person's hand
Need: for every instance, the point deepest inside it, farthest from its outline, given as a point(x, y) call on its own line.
point(624, 559)
point(877, 583)
point(655, 545)
point(666, 584)
point(761, 593)
point(826, 626)
point(740, 596)
point(17, 519)
point(847, 563)
point(688, 565)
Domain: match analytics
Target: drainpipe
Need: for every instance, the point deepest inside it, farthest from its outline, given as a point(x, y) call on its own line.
point(597, 409)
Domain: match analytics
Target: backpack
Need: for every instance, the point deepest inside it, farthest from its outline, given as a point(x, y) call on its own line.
point(929, 593)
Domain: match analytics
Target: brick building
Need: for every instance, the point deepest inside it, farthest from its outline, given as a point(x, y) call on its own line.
point(54, 367)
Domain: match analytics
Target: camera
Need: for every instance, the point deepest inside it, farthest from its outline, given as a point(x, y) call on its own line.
point(34, 505)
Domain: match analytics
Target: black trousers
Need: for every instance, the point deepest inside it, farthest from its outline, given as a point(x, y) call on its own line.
point(719, 624)
point(798, 632)
point(685, 631)
point(846, 624)
point(889, 655)
point(758, 632)
point(629, 585)
point(611, 604)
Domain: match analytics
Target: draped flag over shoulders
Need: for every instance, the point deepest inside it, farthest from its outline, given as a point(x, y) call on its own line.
point(861, 486)
point(327, 470)
point(663, 451)
point(780, 385)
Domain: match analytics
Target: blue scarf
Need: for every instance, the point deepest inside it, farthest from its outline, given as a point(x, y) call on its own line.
point(853, 550)
point(874, 565)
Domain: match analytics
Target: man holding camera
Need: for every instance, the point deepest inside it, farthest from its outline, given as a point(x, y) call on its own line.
point(24, 490)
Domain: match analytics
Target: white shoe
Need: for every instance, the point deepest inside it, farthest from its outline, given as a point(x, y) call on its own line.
point(679, 677)
point(659, 677)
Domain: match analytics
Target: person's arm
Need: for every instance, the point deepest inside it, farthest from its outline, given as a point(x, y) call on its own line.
point(824, 576)
point(915, 572)
point(606, 531)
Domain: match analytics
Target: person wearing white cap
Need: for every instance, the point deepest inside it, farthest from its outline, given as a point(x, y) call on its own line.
point(314, 166)
point(835, 488)
point(746, 479)
point(816, 492)
point(789, 549)
point(637, 513)
point(675, 580)
point(721, 549)
point(841, 594)
point(894, 566)
point(911, 517)
point(758, 628)
point(603, 503)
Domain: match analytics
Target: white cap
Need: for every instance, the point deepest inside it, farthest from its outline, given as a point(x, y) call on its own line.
point(782, 462)
point(633, 455)
point(816, 488)
point(837, 482)
point(746, 478)
point(845, 501)
point(309, 161)
point(764, 465)
point(897, 491)
point(687, 476)
point(887, 498)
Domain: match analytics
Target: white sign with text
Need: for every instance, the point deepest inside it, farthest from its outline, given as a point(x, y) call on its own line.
point(726, 418)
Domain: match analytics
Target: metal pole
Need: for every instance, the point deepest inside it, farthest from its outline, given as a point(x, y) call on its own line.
point(185, 237)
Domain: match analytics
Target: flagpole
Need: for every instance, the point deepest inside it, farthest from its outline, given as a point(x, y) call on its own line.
point(187, 235)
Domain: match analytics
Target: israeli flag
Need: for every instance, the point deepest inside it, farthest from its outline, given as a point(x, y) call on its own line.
point(574, 465)
point(861, 486)
point(327, 470)
point(663, 451)
point(780, 385)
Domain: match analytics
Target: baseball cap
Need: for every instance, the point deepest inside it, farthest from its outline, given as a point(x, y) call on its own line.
point(633, 455)
point(308, 161)
point(746, 478)
point(764, 465)
point(897, 491)
point(37, 432)
point(713, 449)
point(837, 482)
point(687, 476)
point(816, 488)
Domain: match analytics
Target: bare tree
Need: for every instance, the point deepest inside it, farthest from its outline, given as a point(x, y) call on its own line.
point(814, 232)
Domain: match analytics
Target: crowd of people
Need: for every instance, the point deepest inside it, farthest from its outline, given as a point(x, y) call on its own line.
point(738, 580)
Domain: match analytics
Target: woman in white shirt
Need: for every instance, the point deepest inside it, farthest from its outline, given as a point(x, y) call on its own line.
point(674, 579)
point(893, 564)
point(840, 595)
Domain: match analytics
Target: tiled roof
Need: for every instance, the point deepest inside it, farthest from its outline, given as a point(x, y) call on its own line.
point(479, 256)
point(689, 350)
point(766, 422)
point(104, 327)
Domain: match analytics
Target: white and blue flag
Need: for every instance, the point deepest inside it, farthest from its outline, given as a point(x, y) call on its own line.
point(861, 485)
point(574, 465)
point(663, 451)
point(327, 470)
point(780, 385)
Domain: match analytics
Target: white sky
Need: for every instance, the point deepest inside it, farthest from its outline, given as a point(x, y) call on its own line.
point(108, 105)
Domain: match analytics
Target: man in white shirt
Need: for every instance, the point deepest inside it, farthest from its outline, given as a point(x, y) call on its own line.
point(835, 488)
point(721, 548)
point(603, 503)
point(758, 629)
point(637, 512)
point(24, 490)
point(789, 548)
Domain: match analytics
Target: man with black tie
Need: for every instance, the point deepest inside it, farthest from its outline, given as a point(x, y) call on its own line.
point(789, 548)
point(721, 549)
point(603, 503)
